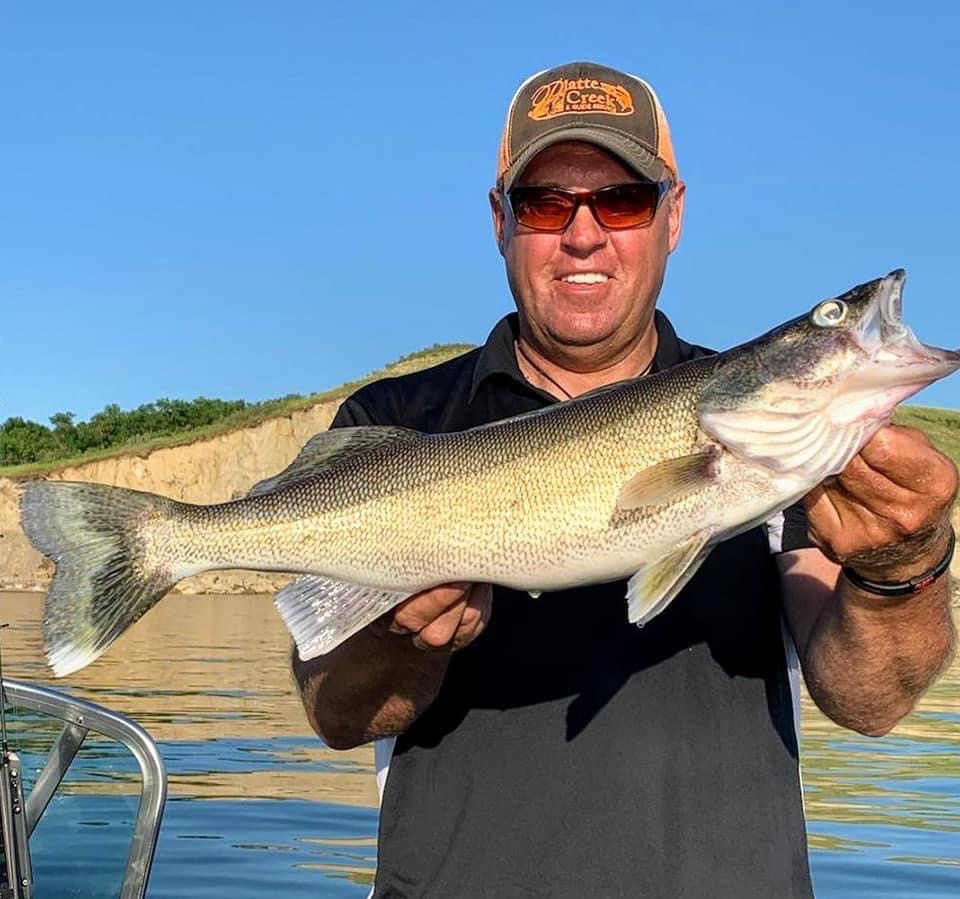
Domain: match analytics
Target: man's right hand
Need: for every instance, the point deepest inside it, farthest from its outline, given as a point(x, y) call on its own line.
point(448, 617)
point(377, 683)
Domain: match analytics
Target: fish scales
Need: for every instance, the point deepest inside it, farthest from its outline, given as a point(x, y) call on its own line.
point(538, 500)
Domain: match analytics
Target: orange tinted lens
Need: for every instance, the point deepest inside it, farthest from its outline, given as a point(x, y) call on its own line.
point(541, 208)
point(626, 205)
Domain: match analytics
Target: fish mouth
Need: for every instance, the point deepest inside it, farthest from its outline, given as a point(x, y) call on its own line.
point(890, 342)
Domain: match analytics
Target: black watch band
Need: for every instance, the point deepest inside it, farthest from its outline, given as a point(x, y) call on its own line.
point(904, 588)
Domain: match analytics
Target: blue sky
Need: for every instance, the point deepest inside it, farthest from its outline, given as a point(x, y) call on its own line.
point(246, 200)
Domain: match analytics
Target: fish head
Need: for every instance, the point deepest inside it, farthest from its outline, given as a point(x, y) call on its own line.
point(806, 396)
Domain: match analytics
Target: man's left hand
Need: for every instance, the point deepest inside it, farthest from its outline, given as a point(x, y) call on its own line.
point(887, 513)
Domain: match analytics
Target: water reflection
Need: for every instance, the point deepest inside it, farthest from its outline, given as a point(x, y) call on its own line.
point(258, 799)
point(203, 669)
point(884, 814)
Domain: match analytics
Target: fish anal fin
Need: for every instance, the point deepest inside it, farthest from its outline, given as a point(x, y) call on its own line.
point(657, 583)
point(330, 448)
point(670, 479)
point(321, 613)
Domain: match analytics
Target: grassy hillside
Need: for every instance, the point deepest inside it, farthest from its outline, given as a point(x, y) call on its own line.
point(252, 415)
point(942, 426)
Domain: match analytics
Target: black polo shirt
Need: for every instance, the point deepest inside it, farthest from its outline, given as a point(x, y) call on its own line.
point(570, 754)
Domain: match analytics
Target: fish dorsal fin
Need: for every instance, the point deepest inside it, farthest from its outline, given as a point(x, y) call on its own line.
point(667, 480)
point(321, 613)
point(657, 583)
point(329, 448)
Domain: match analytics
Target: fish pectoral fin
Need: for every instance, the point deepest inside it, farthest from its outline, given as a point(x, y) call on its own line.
point(657, 583)
point(329, 448)
point(667, 480)
point(321, 613)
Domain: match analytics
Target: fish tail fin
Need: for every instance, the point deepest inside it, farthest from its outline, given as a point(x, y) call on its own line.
point(104, 580)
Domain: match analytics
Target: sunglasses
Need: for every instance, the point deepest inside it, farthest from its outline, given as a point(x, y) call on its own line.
point(616, 207)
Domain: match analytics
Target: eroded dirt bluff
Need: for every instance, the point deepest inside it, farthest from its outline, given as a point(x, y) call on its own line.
point(208, 471)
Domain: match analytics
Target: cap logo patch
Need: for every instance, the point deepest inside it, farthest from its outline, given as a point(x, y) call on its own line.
point(568, 96)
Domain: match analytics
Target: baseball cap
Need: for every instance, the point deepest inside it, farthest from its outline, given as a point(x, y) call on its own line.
point(584, 101)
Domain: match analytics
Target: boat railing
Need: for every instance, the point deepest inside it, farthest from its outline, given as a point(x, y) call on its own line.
point(19, 816)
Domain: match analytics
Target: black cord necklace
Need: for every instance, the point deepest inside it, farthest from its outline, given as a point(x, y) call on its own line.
point(567, 395)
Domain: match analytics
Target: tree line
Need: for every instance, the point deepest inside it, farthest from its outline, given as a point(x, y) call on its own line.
point(23, 441)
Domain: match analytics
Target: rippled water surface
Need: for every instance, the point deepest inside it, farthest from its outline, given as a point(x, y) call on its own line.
point(259, 807)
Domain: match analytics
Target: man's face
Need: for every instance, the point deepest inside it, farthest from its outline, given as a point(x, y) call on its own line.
point(612, 314)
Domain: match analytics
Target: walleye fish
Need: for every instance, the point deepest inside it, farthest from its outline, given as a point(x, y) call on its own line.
point(639, 480)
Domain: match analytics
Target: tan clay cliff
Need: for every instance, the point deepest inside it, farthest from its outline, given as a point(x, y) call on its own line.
point(208, 471)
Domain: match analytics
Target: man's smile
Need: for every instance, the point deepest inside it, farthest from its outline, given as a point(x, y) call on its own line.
point(584, 278)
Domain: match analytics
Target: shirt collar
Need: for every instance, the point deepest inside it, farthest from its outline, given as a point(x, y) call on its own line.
point(498, 357)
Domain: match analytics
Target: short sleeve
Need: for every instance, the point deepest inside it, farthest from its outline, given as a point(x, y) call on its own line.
point(352, 414)
point(787, 530)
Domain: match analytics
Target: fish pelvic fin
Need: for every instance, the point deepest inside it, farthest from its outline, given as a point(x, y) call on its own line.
point(102, 583)
point(329, 448)
point(670, 479)
point(657, 583)
point(321, 613)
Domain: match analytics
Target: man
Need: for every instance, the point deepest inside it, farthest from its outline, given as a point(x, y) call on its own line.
point(545, 747)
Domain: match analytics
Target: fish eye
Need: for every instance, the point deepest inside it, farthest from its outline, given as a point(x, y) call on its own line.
point(830, 314)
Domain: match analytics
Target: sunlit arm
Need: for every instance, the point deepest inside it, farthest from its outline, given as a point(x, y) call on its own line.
point(377, 683)
point(866, 659)
point(373, 685)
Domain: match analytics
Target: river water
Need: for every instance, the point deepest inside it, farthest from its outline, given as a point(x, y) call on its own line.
point(258, 806)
